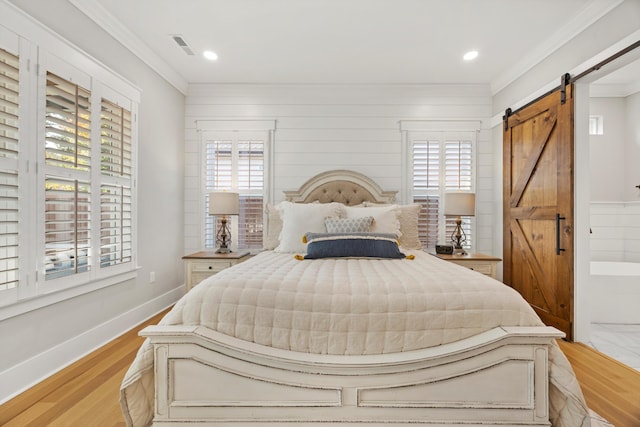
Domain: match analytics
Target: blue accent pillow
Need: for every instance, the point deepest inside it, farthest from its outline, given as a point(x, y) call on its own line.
point(354, 245)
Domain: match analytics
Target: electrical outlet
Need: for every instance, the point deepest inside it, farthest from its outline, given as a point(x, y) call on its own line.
point(152, 277)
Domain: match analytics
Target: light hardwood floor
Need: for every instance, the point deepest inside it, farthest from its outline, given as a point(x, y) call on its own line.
point(610, 388)
point(86, 393)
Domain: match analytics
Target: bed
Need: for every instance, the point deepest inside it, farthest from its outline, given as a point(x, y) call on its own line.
point(280, 339)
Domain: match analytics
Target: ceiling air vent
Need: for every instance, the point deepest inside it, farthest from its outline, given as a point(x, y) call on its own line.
point(183, 44)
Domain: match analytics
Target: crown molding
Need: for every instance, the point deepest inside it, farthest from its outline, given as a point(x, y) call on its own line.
point(586, 65)
point(595, 10)
point(114, 27)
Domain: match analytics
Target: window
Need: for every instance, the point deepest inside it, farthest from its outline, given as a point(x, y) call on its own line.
point(67, 193)
point(237, 164)
point(73, 191)
point(9, 190)
point(441, 162)
point(596, 126)
point(116, 226)
point(67, 184)
point(88, 194)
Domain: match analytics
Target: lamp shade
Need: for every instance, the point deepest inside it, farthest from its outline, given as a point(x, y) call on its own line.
point(224, 203)
point(459, 204)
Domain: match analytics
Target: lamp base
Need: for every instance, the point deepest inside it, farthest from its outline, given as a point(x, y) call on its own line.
point(458, 237)
point(223, 238)
point(459, 251)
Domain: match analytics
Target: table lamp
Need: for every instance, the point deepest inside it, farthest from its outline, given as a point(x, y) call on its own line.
point(459, 205)
point(224, 203)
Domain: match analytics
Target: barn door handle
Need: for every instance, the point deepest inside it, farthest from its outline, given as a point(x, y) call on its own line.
point(558, 248)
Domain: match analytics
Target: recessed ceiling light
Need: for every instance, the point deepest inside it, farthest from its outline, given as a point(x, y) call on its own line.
point(210, 55)
point(473, 54)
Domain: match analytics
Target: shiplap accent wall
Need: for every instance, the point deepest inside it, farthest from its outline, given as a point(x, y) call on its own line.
point(324, 127)
point(615, 231)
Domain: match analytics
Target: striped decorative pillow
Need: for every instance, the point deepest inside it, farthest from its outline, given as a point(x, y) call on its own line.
point(351, 245)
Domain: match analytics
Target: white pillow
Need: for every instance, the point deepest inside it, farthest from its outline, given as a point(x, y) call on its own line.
point(409, 237)
point(301, 218)
point(386, 219)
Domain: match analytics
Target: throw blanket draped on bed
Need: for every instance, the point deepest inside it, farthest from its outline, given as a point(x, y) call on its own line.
point(351, 307)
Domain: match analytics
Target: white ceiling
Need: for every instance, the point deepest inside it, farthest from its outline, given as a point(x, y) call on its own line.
point(345, 41)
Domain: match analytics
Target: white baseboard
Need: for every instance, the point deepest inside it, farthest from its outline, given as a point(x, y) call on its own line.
point(21, 377)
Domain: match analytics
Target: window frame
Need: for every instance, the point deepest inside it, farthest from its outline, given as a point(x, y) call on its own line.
point(233, 138)
point(596, 125)
point(34, 44)
point(210, 130)
point(419, 130)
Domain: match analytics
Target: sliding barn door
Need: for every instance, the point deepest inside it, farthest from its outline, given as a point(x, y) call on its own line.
point(538, 207)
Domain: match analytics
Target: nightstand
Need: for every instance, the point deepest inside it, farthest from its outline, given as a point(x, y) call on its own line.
point(485, 264)
point(200, 265)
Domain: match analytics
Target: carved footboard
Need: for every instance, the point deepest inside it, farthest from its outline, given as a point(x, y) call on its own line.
point(499, 377)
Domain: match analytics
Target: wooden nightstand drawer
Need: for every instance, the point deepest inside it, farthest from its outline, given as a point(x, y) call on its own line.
point(484, 264)
point(196, 278)
point(484, 268)
point(209, 266)
point(200, 265)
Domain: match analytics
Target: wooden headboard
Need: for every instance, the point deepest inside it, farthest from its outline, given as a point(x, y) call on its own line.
point(343, 186)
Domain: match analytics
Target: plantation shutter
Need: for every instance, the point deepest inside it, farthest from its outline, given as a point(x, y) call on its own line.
point(219, 173)
point(237, 165)
point(250, 187)
point(115, 140)
point(9, 85)
point(67, 230)
point(458, 176)
point(67, 183)
point(9, 213)
point(426, 189)
point(441, 163)
point(458, 164)
point(116, 229)
point(68, 124)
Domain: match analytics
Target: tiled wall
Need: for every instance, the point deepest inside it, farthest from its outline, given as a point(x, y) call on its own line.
point(615, 231)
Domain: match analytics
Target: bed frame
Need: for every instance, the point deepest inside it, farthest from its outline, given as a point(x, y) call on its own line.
point(205, 378)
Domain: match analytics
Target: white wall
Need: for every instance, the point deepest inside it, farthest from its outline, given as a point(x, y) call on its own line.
point(39, 342)
point(323, 127)
point(615, 157)
point(632, 150)
point(607, 151)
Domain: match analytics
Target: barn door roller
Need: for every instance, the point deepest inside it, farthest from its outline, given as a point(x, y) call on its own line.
point(505, 119)
point(565, 79)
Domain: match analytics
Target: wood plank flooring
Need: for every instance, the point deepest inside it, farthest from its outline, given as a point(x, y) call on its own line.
point(610, 388)
point(86, 393)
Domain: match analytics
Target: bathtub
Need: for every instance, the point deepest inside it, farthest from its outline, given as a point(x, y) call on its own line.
point(615, 292)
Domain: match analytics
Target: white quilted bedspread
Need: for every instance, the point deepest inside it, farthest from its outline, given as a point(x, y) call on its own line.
point(353, 307)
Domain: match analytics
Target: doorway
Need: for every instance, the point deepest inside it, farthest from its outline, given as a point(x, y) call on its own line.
point(607, 118)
